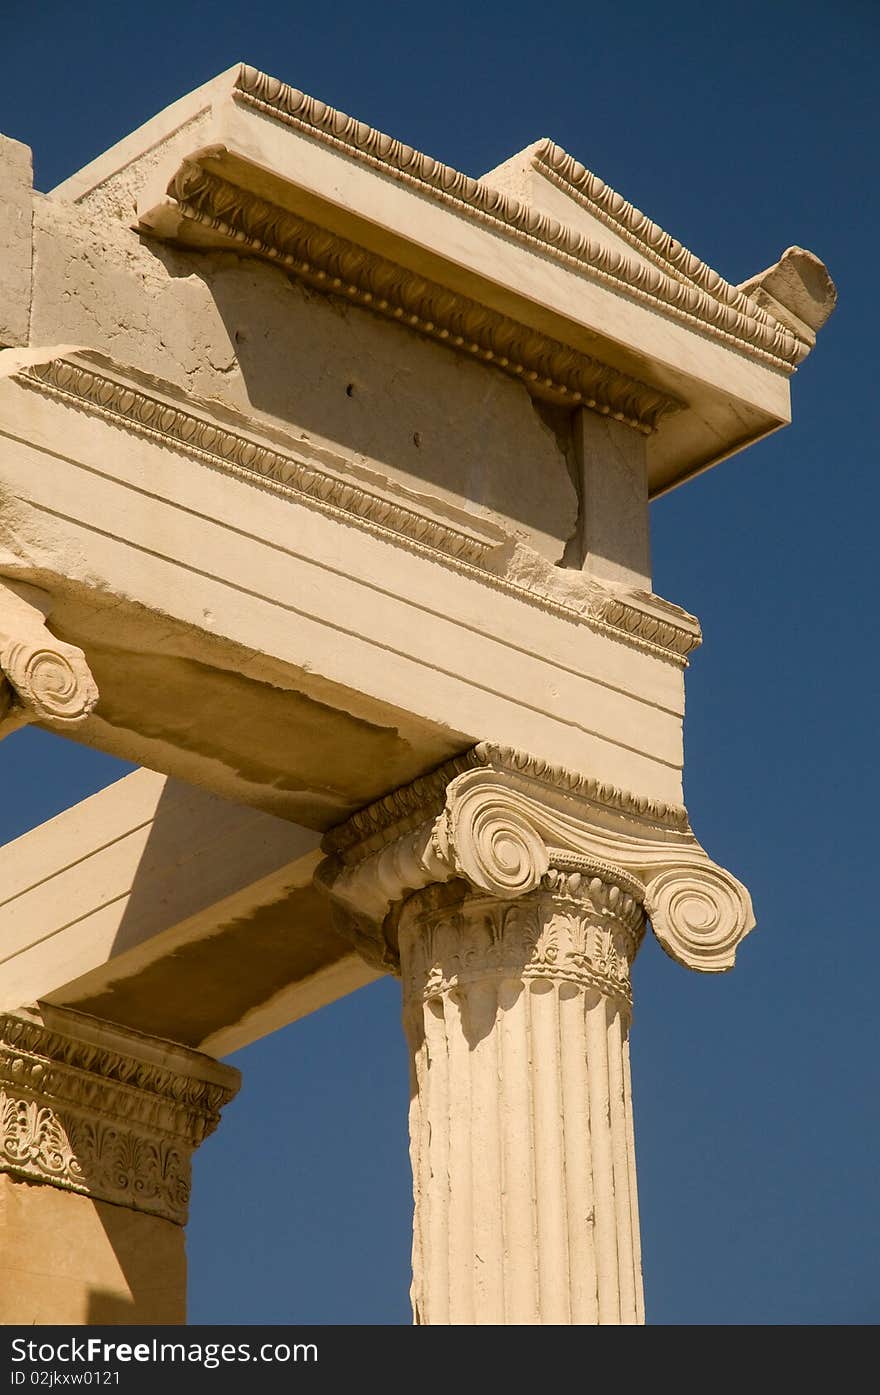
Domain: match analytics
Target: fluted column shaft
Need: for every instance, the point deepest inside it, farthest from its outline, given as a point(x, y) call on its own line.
point(512, 895)
point(517, 1014)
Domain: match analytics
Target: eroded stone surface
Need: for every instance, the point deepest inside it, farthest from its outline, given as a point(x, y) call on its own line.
point(15, 241)
point(244, 334)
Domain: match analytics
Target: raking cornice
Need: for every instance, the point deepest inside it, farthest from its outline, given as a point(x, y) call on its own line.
point(644, 235)
point(704, 300)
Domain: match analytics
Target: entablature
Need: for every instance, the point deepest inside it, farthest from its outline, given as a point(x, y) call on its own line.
point(549, 276)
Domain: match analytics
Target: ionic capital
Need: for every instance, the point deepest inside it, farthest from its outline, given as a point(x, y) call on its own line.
point(501, 820)
point(110, 1113)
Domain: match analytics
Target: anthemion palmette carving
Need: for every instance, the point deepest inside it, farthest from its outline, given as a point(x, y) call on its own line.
point(578, 927)
point(511, 895)
point(104, 1111)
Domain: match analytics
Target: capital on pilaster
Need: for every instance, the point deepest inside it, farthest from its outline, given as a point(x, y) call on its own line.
point(111, 1113)
point(503, 822)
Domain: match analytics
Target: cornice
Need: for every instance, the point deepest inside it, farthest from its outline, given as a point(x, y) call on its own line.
point(501, 820)
point(709, 305)
point(645, 622)
point(646, 237)
point(95, 1109)
point(333, 264)
point(648, 619)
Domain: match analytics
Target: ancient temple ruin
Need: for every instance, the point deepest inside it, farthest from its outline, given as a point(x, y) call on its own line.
point(324, 484)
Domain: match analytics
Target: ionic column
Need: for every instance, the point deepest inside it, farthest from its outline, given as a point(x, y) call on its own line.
point(517, 1016)
point(97, 1130)
point(512, 896)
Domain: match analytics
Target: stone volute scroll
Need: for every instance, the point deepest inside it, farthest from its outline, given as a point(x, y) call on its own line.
point(500, 820)
point(43, 678)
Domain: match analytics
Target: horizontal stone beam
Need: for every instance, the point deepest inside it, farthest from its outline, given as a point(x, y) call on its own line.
point(160, 907)
point(262, 624)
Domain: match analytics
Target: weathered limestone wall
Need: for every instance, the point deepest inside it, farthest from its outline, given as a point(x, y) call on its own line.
point(211, 611)
point(15, 241)
point(243, 334)
point(73, 1260)
point(612, 542)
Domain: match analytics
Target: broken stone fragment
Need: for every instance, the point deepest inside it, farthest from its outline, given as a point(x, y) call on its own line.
point(797, 290)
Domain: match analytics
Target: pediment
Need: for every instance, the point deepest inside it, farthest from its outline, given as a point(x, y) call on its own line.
point(539, 268)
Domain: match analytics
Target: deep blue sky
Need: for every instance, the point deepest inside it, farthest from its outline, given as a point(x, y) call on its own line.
point(741, 128)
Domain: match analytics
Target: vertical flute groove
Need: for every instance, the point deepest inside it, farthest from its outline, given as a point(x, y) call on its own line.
point(603, 1161)
point(519, 1248)
point(461, 1223)
point(485, 1146)
point(419, 1112)
point(619, 1150)
point(633, 1189)
point(549, 1156)
point(578, 1169)
point(434, 1169)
